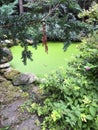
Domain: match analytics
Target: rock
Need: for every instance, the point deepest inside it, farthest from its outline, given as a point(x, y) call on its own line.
point(5, 85)
point(30, 42)
point(1, 99)
point(29, 124)
point(11, 113)
point(18, 120)
point(36, 93)
point(5, 65)
point(5, 94)
point(8, 43)
point(12, 98)
point(1, 126)
point(24, 79)
point(10, 74)
point(5, 56)
point(32, 78)
point(2, 71)
point(2, 79)
point(21, 79)
point(9, 93)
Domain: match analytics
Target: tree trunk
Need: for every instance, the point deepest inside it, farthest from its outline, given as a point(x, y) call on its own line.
point(21, 6)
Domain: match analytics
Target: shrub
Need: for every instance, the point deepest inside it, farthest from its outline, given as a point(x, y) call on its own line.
point(71, 97)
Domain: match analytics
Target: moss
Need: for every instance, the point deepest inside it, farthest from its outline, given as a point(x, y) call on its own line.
point(8, 92)
point(5, 84)
point(11, 74)
point(25, 95)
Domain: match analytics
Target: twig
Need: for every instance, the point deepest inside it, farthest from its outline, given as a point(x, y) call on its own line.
point(50, 12)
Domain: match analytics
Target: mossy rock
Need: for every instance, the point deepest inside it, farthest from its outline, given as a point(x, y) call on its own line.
point(2, 79)
point(5, 84)
point(11, 74)
point(2, 71)
point(9, 93)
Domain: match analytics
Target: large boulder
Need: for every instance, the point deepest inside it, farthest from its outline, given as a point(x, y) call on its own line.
point(21, 79)
point(24, 79)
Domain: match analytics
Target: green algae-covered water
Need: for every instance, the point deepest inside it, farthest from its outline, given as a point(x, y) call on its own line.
point(44, 63)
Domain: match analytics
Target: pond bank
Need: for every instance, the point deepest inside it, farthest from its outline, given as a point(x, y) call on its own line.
point(12, 97)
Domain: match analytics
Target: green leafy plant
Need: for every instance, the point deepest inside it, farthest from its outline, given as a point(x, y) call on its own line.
point(70, 97)
point(91, 13)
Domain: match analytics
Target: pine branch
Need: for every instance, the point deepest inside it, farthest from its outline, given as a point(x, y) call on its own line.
point(51, 11)
point(39, 21)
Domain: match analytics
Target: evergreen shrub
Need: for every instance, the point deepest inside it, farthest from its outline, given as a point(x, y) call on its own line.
point(71, 96)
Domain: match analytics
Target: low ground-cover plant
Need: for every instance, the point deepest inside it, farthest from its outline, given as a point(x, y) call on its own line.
point(71, 97)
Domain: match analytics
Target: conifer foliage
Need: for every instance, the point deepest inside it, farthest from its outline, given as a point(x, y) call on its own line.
point(38, 20)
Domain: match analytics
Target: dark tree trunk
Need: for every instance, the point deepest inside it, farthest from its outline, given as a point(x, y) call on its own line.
point(21, 6)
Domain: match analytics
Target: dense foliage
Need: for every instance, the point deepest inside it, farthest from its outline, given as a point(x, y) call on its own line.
point(70, 97)
point(39, 21)
point(91, 14)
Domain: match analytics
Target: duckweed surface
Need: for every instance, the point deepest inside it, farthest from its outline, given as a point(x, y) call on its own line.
point(44, 63)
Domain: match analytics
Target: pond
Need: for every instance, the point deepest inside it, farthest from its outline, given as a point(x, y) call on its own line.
point(44, 63)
